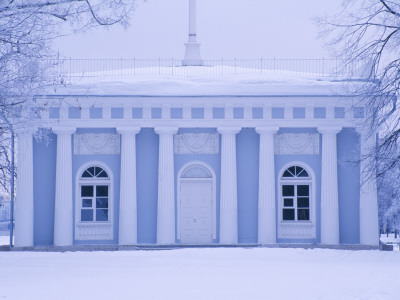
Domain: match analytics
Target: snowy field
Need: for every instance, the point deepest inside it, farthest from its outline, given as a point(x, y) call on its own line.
point(221, 273)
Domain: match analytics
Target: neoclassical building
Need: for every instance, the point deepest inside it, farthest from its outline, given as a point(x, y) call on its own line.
point(209, 159)
point(195, 161)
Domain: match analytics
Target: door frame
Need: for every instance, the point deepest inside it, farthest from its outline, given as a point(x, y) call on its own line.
point(213, 193)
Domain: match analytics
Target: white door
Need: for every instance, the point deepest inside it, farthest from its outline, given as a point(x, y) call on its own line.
point(196, 211)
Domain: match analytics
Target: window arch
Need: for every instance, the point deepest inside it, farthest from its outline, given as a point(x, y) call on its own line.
point(94, 195)
point(196, 171)
point(296, 200)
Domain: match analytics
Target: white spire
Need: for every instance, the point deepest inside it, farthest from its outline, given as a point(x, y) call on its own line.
point(192, 53)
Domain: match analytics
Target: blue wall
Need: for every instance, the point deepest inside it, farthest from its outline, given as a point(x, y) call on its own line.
point(213, 160)
point(349, 186)
point(113, 162)
point(314, 162)
point(147, 182)
point(247, 143)
point(247, 156)
point(44, 183)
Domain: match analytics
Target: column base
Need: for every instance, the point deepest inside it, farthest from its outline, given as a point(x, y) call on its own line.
point(192, 55)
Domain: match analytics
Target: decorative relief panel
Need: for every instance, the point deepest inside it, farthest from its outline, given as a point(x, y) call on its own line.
point(96, 143)
point(297, 143)
point(196, 143)
point(296, 231)
point(87, 232)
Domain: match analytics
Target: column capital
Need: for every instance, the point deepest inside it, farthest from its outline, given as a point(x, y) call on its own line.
point(267, 130)
point(330, 129)
point(64, 130)
point(229, 130)
point(166, 130)
point(23, 131)
point(128, 130)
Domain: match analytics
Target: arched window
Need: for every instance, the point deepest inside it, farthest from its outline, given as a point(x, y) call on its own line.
point(295, 194)
point(94, 185)
point(196, 171)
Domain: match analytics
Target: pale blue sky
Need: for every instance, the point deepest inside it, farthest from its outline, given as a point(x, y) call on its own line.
point(226, 28)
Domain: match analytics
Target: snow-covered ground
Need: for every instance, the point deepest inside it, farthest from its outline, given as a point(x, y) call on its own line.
point(221, 273)
point(390, 238)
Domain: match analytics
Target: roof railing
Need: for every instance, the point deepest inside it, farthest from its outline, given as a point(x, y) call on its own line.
point(69, 67)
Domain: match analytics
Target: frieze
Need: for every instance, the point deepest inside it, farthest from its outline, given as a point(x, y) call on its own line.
point(297, 143)
point(196, 143)
point(96, 143)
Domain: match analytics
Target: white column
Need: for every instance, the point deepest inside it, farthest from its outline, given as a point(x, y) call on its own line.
point(369, 223)
point(192, 51)
point(166, 186)
point(63, 214)
point(329, 187)
point(24, 199)
point(128, 197)
point(266, 187)
point(228, 195)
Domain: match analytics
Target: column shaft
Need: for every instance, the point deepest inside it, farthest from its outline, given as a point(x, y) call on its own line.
point(63, 215)
point(228, 195)
point(166, 188)
point(266, 187)
point(329, 188)
point(128, 196)
point(369, 222)
point(24, 220)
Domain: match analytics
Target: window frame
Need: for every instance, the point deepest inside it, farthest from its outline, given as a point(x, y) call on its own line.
point(296, 181)
point(93, 181)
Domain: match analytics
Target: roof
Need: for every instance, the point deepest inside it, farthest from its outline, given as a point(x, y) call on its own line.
point(201, 83)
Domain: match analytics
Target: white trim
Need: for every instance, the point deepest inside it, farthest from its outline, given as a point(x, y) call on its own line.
point(95, 230)
point(303, 229)
point(214, 195)
point(208, 102)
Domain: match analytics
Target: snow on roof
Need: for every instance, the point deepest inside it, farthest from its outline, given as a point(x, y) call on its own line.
point(204, 83)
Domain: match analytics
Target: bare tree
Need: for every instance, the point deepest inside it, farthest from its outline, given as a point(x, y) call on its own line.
point(27, 28)
point(369, 30)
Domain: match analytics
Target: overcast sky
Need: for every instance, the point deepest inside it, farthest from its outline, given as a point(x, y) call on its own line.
point(225, 28)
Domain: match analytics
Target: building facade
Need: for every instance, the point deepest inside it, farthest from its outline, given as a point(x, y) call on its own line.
point(269, 164)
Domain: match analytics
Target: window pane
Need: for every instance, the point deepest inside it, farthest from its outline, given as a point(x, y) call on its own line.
point(303, 202)
point(287, 190)
point(102, 174)
point(287, 202)
point(86, 174)
point(102, 191)
point(91, 171)
point(298, 170)
point(287, 174)
point(303, 174)
point(97, 171)
point(288, 214)
point(101, 215)
point(303, 214)
point(87, 190)
point(303, 190)
point(101, 202)
point(86, 202)
point(292, 170)
point(86, 215)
